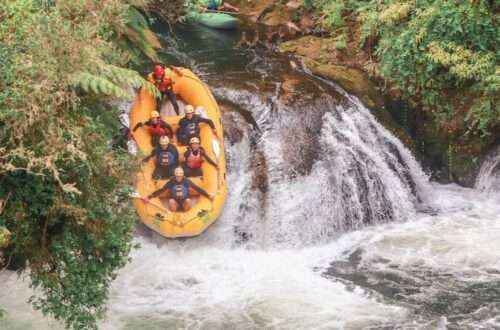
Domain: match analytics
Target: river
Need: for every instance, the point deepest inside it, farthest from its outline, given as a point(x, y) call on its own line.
point(330, 222)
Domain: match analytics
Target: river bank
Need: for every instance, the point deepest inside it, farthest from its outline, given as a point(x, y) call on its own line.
point(344, 53)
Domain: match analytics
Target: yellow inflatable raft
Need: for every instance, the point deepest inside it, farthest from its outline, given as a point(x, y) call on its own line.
point(204, 212)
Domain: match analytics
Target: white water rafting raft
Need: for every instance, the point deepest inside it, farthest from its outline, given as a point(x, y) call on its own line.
point(155, 214)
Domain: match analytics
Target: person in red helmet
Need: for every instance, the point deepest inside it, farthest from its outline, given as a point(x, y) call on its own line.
point(194, 157)
point(157, 127)
point(164, 83)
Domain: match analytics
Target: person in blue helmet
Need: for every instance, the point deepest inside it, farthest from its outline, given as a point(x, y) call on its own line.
point(167, 159)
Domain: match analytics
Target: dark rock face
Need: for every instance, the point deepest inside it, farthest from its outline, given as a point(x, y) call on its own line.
point(232, 127)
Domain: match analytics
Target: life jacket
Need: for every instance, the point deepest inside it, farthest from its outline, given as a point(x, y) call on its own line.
point(194, 161)
point(179, 191)
point(166, 158)
point(165, 84)
point(191, 129)
point(157, 129)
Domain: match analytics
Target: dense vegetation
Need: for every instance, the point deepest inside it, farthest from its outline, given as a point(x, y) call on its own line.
point(443, 56)
point(64, 205)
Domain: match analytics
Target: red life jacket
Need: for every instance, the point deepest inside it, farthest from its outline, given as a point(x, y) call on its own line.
point(194, 161)
point(165, 84)
point(157, 129)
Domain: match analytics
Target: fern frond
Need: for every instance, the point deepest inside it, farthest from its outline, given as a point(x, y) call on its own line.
point(137, 35)
point(113, 81)
point(98, 85)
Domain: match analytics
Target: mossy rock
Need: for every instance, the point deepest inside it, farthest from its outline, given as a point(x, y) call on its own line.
point(4, 237)
point(352, 80)
point(316, 51)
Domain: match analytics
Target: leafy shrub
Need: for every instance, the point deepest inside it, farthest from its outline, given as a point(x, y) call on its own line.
point(65, 190)
point(429, 48)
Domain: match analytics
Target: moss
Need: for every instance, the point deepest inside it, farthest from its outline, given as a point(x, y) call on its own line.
point(5, 236)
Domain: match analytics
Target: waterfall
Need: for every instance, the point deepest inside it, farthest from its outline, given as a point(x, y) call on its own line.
point(488, 179)
point(330, 167)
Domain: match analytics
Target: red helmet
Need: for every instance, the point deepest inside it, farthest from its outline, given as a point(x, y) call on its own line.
point(158, 71)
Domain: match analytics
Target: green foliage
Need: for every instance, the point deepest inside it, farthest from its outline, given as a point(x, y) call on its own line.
point(340, 42)
point(136, 35)
point(429, 48)
point(63, 189)
point(4, 237)
point(332, 13)
point(112, 81)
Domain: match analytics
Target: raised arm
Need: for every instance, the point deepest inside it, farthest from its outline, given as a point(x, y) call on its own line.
point(198, 189)
point(207, 121)
point(166, 126)
point(161, 190)
point(147, 158)
point(138, 125)
point(204, 154)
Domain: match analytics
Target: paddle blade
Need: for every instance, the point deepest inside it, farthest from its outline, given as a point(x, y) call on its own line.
point(216, 148)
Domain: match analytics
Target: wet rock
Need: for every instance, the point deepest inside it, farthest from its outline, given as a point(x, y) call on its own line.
point(353, 80)
point(481, 314)
point(294, 4)
point(260, 180)
point(275, 18)
point(306, 23)
point(255, 10)
point(233, 127)
point(288, 87)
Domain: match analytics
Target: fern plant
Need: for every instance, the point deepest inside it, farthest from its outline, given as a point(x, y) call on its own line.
point(136, 35)
point(112, 80)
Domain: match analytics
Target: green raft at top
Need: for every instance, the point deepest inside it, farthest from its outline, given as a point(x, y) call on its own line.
point(212, 19)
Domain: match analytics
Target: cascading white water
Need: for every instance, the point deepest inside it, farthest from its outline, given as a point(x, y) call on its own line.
point(488, 179)
point(360, 173)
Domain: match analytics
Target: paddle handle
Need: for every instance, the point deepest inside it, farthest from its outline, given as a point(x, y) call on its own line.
point(154, 204)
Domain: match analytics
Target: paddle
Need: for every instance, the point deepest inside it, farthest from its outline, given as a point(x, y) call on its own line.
point(216, 150)
point(143, 199)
